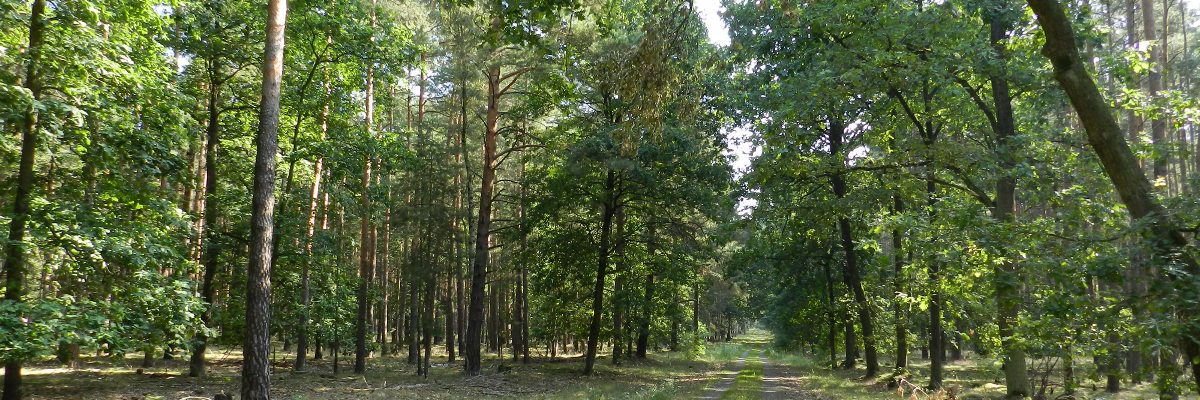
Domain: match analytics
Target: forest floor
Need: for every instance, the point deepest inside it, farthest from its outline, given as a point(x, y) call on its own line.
point(746, 368)
point(662, 375)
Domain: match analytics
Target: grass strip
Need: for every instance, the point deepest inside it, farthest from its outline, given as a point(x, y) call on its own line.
point(749, 381)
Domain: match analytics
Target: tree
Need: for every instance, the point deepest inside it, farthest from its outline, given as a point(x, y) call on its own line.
point(14, 252)
point(257, 345)
point(1107, 140)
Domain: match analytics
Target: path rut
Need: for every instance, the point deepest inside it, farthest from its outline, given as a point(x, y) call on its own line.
point(715, 392)
point(779, 383)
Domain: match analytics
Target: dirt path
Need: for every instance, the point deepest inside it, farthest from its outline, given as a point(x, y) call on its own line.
point(715, 392)
point(780, 383)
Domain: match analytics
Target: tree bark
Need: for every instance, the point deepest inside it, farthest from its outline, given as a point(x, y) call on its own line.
point(898, 279)
point(366, 250)
point(366, 256)
point(937, 342)
point(619, 297)
point(14, 264)
point(852, 275)
point(1008, 273)
point(209, 250)
point(643, 338)
point(255, 368)
point(606, 225)
point(1154, 84)
point(314, 198)
point(523, 280)
point(830, 297)
point(427, 323)
point(483, 227)
point(1120, 164)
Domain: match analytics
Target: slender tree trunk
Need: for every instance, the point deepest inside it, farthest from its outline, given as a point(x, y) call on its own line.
point(832, 313)
point(648, 296)
point(523, 280)
point(305, 293)
point(1154, 82)
point(898, 279)
point(483, 227)
point(1007, 273)
point(255, 369)
point(314, 198)
point(210, 250)
point(643, 338)
point(14, 260)
point(412, 328)
point(383, 266)
point(1120, 164)
point(427, 323)
point(606, 226)
point(937, 343)
point(366, 259)
point(1135, 274)
point(619, 297)
point(464, 189)
point(524, 286)
point(451, 278)
point(849, 338)
point(852, 274)
point(366, 251)
point(1131, 40)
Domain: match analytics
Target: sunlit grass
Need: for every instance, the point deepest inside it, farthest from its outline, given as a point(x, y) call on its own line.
point(749, 381)
point(974, 378)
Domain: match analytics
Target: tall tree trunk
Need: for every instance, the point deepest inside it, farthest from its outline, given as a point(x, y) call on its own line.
point(937, 342)
point(643, 338)
point(849, 337)
point(619, 301)
point(366, 259)
point(383, 266)
point(314, 198)
point(606, 227)
point(1131, 40)
point(1008, 273)
point(209, 249)
point(1120, 164)
point(523, 280)
point(462, 185)
point(427, 321)
point(1154, 83)
point(898, 280)
point(255, 368)
point(412, 327)
point(366, 251)
point(14, 260)
point(483, 227)
point(853, 276)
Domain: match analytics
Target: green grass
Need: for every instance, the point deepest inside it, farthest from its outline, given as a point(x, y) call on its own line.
point(749, 381)
point(663, 375)
point(976, 378)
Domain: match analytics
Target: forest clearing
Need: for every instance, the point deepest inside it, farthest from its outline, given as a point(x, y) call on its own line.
point(715, 199)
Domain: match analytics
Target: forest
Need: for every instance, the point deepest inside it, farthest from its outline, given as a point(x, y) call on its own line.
point(650, 199)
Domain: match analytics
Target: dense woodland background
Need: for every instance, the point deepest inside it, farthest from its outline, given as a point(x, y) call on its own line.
point(538, 178)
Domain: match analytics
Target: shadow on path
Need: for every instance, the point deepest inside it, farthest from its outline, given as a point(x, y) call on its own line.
point(728, 376)
point(780, 383)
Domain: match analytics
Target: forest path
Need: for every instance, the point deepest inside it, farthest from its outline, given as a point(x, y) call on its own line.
point(715, 392)
point(755, 375)
point(781, 383)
